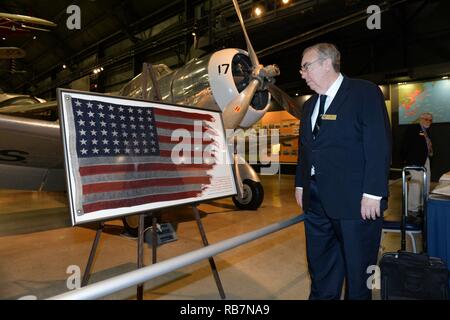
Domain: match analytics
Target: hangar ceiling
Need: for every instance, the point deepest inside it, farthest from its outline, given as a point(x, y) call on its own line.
point(119, 35)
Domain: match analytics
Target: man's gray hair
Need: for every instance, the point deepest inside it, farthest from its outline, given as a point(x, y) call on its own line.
point(327, 50)
point(426, 114)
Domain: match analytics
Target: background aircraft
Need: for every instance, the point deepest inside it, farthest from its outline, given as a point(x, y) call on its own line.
point(230, 80)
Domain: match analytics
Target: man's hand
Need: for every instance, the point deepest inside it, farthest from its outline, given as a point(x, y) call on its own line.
point(370, 208)
point(298, 197)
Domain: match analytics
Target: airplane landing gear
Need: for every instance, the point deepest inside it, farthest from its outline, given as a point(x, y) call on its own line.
point(252, 198)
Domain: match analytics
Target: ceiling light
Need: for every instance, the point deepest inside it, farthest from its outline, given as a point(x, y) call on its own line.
point(285, 1)
point(258, 11)
point(64, 66)
point(445, 78)
point(34, 37)
point(193, 33)
point(296, 94)
point(4, 38)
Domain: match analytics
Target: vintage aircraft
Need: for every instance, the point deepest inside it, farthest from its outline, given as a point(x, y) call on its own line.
point(14, 24)
point(230, 80)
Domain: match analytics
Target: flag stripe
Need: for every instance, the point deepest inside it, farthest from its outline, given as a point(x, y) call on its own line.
point(129, 176)
point(134, 193)
point(107, 169)
point(121, 185)
point(182, 114)
point(186, 140)
point(137, 201)
point(175, 126)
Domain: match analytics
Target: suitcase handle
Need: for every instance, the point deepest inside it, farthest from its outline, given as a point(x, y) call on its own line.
point(405, 205)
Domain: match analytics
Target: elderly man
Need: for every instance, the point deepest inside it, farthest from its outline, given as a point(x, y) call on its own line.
point(342, 175)
point(417, 150)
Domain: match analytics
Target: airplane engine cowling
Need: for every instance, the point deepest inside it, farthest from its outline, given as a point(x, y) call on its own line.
point(229, 74)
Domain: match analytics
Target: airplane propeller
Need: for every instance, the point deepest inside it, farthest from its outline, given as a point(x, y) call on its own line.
point(261, 78)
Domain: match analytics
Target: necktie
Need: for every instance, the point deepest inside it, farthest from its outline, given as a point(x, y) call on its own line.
point(429, 145)
point(319, 116)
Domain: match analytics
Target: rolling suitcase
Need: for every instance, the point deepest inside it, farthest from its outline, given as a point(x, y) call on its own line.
point(406, 275)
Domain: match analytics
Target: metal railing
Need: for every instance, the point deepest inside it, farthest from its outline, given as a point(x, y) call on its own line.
point(103, 288)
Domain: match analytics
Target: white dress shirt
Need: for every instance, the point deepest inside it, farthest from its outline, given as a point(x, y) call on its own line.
point(331, 93)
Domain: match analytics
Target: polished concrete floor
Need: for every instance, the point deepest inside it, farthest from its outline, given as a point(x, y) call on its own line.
point(38, 245)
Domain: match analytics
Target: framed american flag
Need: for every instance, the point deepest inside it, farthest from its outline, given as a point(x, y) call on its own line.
point(124, 156)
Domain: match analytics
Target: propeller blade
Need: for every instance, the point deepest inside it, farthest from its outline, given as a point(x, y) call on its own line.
point(288, 103)
point(236, 109)
point(251, 51)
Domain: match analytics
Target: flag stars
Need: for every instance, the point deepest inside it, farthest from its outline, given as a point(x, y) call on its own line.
point(133, 126)
point(78, 103)
point(90, 114)
point(131, 118)
point(103, 123)
point(136, 150)
point(144, 143)
point(82, 132)
point(92, 123)
point(115, 133)
point(101, 115)
point(84, 151)
point(112, 117)
point(126, 143)
point(100, 106)
point(110, 108)
point(94, 141)
point(120, 109)
point(124, 134)
point(113, 125)
point(95, 150)
point(106, 150)
point(134, 135)
point(127, 151)
point(141, 119)
point(81, 122)
point(93, 132)
point(80, 113)
point(105, 141)
point(104, 132)
point(135, 142)
point(122, 118)
point(89, 105)
point(140, 111)
point(130, 110)
point(117, 150)
point(83, 142)
point(116, 142)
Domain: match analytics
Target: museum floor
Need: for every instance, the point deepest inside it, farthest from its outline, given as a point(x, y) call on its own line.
point(37, 245)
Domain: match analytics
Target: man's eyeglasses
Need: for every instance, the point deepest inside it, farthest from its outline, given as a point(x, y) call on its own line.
point(306, 66)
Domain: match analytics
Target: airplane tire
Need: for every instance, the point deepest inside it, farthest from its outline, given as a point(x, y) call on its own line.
point(253, 196)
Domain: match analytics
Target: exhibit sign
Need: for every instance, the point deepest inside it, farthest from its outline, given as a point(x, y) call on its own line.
point(416, 98)
point(125, 156)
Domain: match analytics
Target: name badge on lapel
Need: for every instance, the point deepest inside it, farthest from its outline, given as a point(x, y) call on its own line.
point(329, 117)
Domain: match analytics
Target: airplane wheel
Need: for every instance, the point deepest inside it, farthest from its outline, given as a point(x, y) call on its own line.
point(253, 196)
point(131, 224)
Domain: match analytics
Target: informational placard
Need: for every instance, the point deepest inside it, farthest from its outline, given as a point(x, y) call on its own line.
point(125, 156)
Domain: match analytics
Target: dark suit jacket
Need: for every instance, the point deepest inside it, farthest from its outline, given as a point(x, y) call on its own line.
point(414, 146)
point(351, 155)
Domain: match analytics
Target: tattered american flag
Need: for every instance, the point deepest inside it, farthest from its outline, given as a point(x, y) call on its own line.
point(125, 154)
